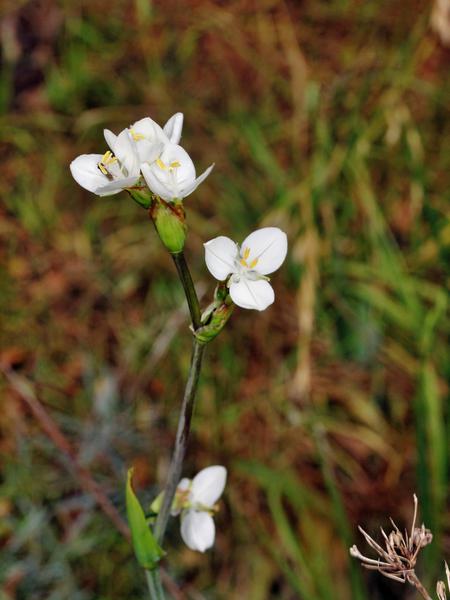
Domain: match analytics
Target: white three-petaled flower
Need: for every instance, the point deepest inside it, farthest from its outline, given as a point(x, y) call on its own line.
point(109, 174)
point(196, 499)
point(261, 253)
point(172, 176)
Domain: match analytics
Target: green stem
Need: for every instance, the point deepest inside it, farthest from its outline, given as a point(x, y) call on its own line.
point(189, 289)
point(184, 421)
point(184, 426)
point(154, 585)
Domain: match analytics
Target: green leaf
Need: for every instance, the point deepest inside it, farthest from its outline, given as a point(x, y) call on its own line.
point(146, 548)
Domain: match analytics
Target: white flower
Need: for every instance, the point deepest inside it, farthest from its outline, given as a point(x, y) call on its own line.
point(151, 139)
point(262, 252)
point(172, 176)
point(109, 174)
point(196, 499)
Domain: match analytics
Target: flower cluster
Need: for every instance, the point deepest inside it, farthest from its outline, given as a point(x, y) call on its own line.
point(144, 149)
point(147, 159)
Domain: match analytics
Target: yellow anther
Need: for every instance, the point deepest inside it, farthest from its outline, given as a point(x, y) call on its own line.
point(107, 159)
point(160, 164)
point(175, 164)
point(136, 136)
point(253, 263)
point(246, 253)
point(243, 262)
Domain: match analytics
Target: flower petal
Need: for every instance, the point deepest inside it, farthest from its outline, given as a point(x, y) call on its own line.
point(208, 485)
point(269, 246)
point(197, 530)
point(194, 185)
point(124, 147)
point(149, 129)
point(184, 173)
point(173, 128)
point(113, 187)
point(156, 186)
point(220, 254)
point(110, 138)
point(184, 484)
point(256, 295)
point(149, 151)
point(86, 173)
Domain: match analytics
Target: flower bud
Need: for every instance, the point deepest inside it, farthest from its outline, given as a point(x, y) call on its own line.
point(142, 195)
point(214, 318)
point(170, 224)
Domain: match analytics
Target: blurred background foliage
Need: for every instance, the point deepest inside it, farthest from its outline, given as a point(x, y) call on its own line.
point(329, 119)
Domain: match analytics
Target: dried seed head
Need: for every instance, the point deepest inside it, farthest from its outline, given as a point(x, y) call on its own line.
point(399, 556)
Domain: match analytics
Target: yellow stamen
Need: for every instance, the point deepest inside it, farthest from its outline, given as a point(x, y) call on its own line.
point(107, 159)
point(160, 164)
point(253, 263)
point(243, 262)
point(175, 164)
point(246, 253)
point(136, 136)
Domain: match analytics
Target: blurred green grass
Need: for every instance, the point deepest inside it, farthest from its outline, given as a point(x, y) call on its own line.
point(328, 119)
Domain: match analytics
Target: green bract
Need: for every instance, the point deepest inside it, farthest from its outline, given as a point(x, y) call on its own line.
point(146, 548)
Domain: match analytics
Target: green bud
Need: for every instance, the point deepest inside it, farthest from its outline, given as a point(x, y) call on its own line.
point(142, 195)
point(214, 318)
point(170, 223)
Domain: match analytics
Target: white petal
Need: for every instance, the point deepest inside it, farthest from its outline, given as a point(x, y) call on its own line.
point(173, 128)
point(252, 294)
point(86, 173)
point(124, 148)
point(220, 254)
point(149, 151)
point(110, 138)
point(184, 484)
point(194, 185)
point(208, 485)
point(149, 129)
point(197, 530)
point(185, 173)
point(113, 187)
point(155, 185)
point(269, 246)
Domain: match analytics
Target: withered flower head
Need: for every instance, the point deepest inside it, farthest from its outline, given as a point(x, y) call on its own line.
point(399, 556)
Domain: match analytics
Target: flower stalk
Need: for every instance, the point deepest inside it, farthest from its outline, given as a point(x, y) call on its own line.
point(181, 441)
point(189, 289)
point(154, 585)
